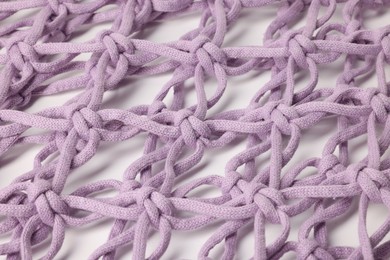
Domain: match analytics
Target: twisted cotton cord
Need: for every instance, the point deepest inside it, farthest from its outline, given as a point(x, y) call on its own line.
point(35, 206)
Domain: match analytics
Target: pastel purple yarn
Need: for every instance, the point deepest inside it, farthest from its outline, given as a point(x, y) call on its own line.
point(34, 207)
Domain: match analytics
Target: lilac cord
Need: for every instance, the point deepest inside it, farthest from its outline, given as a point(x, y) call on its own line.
point(34, 206)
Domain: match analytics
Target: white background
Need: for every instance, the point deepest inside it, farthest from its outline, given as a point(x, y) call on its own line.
point(111, 160)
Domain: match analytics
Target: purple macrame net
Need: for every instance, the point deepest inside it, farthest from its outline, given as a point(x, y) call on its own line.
point(150, 199)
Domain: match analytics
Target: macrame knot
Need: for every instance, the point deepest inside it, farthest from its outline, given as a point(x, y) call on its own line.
point(170, 5)
point(155, 204)
point(21, 56)
point(144, 193)
point(191, 127)
point(47, 203)
point(354, 170)
point(85, 121)
point(379, 104)
point(207, 53)
point(37, 188)
point(371, 181)
point(299, 46)
point(116, 44)
point(267, 199)
point(281, 115)
point(307, 248)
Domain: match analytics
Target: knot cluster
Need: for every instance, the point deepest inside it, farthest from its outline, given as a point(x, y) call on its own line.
point(259, 185)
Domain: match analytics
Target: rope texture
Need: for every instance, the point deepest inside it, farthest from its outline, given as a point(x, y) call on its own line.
point(40, 47)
